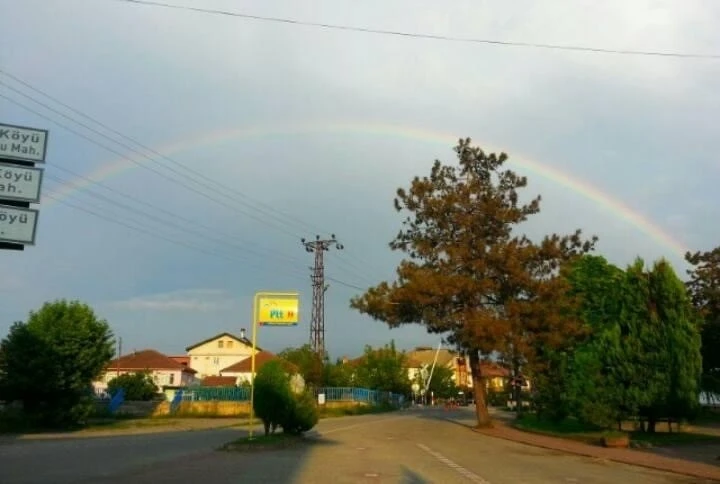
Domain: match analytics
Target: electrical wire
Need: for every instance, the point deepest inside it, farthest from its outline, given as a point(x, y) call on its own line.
point(281, 217)
point(437, 37)
point(203, 250)
point(151, 232)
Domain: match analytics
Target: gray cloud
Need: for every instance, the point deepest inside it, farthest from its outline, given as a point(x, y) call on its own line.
point(640, 129)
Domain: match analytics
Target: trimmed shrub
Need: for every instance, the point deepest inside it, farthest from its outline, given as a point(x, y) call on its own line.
point(303, 415)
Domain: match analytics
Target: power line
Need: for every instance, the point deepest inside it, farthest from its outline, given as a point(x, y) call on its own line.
point(183, 228)
point(446, 38)
point(265, 207)
point(267, 211)
point(154, 233)
point(135, 162)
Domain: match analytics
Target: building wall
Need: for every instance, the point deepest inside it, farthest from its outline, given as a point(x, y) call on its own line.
point(213, 356)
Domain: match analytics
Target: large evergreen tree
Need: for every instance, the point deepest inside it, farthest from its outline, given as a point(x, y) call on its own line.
point(704, 287)
point(467, 273)
point(642, 357)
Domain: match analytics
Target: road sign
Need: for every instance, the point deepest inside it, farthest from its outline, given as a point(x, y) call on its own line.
point(18, 225)
point(278, 310)
point(20, 183)
point(22, 143)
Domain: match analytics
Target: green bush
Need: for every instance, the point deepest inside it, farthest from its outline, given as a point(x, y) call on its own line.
point(138, 386)
point(302, 416)
point(273, 399)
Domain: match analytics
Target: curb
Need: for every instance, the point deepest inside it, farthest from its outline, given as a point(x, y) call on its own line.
point(705, 472)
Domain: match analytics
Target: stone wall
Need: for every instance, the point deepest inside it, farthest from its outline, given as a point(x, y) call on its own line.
point(210, 409)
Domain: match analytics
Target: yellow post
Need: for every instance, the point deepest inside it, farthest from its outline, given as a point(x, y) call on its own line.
point(252, 367)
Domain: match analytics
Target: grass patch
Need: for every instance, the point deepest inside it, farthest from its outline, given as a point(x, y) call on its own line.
point(133, 423)
point(569, 428)
point(573, 429)
point(263, 442)
point(354, 410)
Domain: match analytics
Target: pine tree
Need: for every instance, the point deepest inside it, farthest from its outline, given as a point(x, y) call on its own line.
point(467, 275)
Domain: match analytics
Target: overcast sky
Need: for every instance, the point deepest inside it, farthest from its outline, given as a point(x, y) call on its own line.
point(312, 130)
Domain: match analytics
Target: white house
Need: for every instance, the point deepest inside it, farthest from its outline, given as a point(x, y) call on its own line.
point(210, 356)
point(164, 370)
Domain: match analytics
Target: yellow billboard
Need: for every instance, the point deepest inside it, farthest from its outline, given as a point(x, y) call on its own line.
point(278, 311)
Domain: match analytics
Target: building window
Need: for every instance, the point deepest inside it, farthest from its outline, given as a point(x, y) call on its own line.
point(229, 344)
point(216, 361)
point(220, 343)
point(171, 380)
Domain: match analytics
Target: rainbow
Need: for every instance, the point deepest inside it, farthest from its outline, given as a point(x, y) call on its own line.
point(575, 184)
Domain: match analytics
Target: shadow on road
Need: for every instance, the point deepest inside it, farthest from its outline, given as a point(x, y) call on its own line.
point(408, 476)
point(219, 466)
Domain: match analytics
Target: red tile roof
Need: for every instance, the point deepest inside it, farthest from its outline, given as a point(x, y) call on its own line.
point(218, 381)
point(261, 357)
point(183, 360)
point(146, 360)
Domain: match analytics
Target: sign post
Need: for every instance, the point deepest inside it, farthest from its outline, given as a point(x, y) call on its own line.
point(270, 309)
point(20, 183)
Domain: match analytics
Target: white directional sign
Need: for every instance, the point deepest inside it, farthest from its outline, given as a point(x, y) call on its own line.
point(20, 183)
point(22, 143)
point(18, 225)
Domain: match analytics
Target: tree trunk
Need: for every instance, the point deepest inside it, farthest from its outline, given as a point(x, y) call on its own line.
point(481, 409)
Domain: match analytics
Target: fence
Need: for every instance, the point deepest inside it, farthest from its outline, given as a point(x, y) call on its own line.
point(215, 394)
point(332, 394)
point(352, 394)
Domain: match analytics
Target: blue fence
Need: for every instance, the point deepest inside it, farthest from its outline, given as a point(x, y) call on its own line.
point(332, 394)
point(215, 394)
point(352, 394)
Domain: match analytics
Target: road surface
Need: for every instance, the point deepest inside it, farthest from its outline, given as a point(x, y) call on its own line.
point(404, 447)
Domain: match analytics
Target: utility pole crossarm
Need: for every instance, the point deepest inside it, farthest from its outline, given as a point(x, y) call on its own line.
point(317, 325)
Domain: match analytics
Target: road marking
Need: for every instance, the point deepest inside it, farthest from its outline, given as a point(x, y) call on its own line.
point(457, 467)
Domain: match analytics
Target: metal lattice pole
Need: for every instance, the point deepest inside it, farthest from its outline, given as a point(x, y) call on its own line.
point(317, 323)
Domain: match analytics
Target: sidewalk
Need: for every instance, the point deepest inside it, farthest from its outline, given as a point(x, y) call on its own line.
point(159, 426)
point(641, 458)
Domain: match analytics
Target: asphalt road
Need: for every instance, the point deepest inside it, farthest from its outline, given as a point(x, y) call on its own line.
point(405, 447)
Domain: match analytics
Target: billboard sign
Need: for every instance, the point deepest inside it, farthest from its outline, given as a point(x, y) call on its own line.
point(20, 183)
point(22, 143)
point(278, 310)
point(17, 225)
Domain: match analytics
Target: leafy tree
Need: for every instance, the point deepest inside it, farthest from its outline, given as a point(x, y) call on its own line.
point(309, 363)
point(383, 369)
point(273, 400)
point(704, 288)
point(442, 383)
point(678, 350)
point(137, 386)
point(49, 362)
point(468, 275)
point(603, 384)
point(338, 374)
point(643, 356)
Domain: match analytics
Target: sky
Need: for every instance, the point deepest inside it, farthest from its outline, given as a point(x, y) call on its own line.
point(253, 134)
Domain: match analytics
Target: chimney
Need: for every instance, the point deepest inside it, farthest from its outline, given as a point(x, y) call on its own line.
point(242, 333)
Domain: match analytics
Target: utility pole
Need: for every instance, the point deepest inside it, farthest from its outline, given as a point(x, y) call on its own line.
point(119, 354)
point(317, 324)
